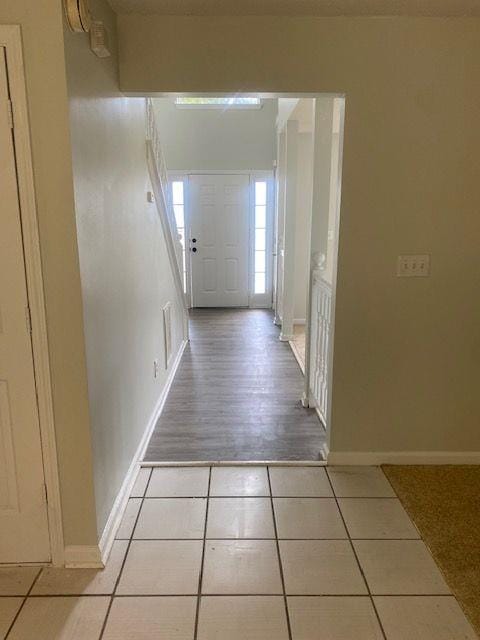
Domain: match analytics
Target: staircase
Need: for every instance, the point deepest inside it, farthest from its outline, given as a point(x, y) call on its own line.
point(157, 169)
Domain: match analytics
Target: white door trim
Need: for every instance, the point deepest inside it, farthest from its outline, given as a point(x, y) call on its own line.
point(254, 301)
point(10, 38)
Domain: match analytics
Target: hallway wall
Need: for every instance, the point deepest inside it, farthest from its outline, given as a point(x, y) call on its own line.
point(212, 139)
point(407, 352)
point(125, 272)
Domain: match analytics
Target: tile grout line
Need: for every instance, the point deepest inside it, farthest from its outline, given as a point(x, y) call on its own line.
point(282, 577)
point(356, 557)
point(287, 497)
point(112, 595)
point(236, 595)
point(200, 577)
point(25, 597)
point(267, 539)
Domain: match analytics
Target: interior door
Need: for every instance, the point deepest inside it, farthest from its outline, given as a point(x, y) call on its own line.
point(23, 511)
point(219, 234)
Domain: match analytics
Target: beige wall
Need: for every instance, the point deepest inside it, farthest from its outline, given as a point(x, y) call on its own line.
point(406, 361)
point(125, 272)
point(212, 139)
point(42, 34)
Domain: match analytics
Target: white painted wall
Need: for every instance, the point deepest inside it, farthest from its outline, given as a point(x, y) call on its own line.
point(212, 139)
point(300, 111)
point(303, 222)
point(125, 273)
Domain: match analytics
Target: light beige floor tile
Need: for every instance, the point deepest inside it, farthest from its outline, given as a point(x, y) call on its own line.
point(333, 618)
point(239, 481)
point(16, 581)
point(399, 567)
point(242, 618)
point(240, 518)
point(161, 567)
point(376, 518)
point(179, 518)
point(125, 529)
point(141, 482)
point(61, 618)
point(178, 482)
point(54, 581)
point(308, 518)
point(8, 611)
point(300, 482)
point(423, 618)
point(241, 567)
point(320, 567)
point(151, 617)
point(360, 482)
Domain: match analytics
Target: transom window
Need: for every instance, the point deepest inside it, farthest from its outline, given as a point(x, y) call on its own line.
point(239, 102)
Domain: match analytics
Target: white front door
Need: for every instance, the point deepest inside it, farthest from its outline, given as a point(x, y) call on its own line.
point(219, 239)
point(23, 511)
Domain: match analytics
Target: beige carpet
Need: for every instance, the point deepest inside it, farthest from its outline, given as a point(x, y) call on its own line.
point(298, 345)
point(444, 503)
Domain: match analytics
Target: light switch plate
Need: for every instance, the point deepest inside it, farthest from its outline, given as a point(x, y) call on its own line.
point(413, 266)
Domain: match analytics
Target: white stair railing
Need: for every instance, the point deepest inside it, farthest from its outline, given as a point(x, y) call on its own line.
point(159, 178)
point(320, 342)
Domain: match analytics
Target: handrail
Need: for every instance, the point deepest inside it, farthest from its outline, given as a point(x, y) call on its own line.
point(154, 138)
point(159, 178)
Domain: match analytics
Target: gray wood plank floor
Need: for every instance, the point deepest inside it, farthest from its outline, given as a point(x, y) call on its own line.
point(236, 395)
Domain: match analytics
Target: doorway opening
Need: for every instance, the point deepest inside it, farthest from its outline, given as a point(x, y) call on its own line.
point(253, 187)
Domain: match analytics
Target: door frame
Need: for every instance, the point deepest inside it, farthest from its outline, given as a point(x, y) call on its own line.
point(254, 175)
point(11, 40)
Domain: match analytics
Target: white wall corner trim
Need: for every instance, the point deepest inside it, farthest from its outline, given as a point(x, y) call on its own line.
point(402, 457)
point(83, 557)
point(108, 536)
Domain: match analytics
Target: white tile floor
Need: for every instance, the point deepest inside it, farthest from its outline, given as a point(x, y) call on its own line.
point(246, 553)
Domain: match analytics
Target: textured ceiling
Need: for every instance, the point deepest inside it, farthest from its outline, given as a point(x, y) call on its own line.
point(301, 7)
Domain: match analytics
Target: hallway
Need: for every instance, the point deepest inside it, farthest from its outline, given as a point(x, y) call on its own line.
point(236, 395)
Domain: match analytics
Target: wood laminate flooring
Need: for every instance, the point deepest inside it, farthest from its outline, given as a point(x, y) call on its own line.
point(236, 395)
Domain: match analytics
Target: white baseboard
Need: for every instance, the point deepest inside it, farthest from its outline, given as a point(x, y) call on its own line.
point(284, 337)
point(83, 557)
point(325, 451)
point(299, 321)
point(108, 536)
point(322, 422)
point(402, 457)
